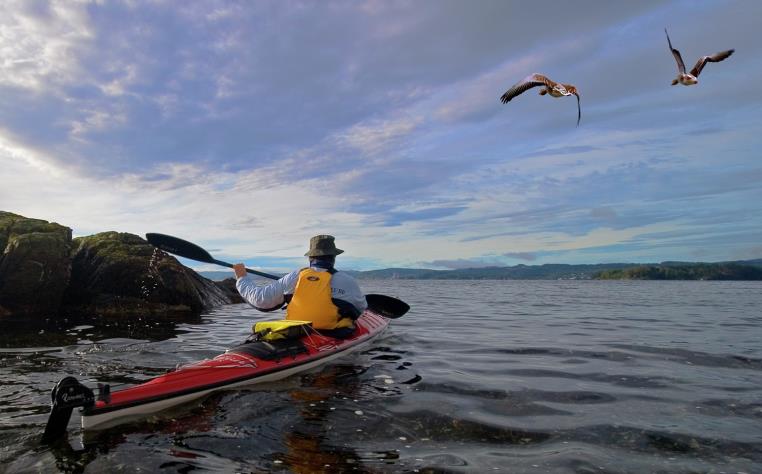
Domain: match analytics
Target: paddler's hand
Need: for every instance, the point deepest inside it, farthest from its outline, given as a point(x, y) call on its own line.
point(240, 270)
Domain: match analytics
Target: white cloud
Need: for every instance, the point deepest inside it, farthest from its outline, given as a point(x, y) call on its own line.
point(39, 42)
point(207, 122)
point(375, 136)
point(126, 75)
point(17, 156)
point(95, 121)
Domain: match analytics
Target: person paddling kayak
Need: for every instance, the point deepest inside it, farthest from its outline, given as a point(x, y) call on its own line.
point(329, 299)
point(317, 293)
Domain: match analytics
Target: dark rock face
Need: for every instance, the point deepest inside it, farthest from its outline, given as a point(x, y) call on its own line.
point(228, 286)
point(34, 265)
point(122, 273)
point(44, 273)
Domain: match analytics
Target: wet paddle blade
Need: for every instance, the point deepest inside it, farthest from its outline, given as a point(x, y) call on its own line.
point(386, 306)
point(183, 248)
point(179, 247)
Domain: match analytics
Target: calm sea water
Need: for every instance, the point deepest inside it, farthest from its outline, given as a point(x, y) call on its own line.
point(480, 376)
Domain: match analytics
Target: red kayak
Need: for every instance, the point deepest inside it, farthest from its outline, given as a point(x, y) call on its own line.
point(247, 364)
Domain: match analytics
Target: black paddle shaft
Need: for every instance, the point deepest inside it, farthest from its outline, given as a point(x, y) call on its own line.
point(386, 306)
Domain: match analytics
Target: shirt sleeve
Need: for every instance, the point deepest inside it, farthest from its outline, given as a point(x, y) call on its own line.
point(266, 297)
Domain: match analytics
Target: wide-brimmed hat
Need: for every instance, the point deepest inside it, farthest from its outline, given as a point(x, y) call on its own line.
point(322, 245)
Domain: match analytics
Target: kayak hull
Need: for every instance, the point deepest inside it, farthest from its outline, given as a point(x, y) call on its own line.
point(242, 366)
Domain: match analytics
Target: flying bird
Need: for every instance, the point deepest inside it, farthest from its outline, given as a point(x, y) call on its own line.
point(555, 89)
point(689, 79)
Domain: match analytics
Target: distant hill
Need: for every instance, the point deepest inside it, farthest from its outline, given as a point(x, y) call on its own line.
point(217, 276)
point(699, 271)
point(517, 272)
point(550, 271)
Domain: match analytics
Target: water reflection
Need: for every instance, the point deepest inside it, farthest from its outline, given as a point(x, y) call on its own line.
point(611, 377)
point(303, 424)
point(84, 329)
point(93, 445)
point(308, 444)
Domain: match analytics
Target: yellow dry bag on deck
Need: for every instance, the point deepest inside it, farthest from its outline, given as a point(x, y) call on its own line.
point(282, 329)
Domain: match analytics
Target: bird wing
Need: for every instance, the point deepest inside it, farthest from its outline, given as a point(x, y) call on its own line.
point(573, 90)
point(676, 54)
point(533, 80)
point(579, 109)
point(715, 58)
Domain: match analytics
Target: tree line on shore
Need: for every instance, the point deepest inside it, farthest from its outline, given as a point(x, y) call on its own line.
point(698, 271)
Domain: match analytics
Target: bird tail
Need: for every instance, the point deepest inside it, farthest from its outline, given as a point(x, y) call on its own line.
point(674, 82)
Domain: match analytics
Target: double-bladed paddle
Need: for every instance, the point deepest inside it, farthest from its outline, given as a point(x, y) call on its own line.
point(386, 306)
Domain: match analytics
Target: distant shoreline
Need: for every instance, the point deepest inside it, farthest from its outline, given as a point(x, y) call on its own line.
point(742, 270)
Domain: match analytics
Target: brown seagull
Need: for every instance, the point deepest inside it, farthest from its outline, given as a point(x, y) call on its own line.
point(555, 89)
point(691, 78)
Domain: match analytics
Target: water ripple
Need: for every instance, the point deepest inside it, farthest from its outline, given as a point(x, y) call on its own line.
point(513, 376)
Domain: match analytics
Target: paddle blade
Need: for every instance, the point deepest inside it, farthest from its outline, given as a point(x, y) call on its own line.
point(179, 247)
point(386, 306)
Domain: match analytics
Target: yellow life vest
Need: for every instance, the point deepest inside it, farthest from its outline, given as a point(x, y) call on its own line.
point(312, 301)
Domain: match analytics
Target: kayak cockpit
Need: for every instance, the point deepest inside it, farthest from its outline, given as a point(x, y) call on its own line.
point(274, 350)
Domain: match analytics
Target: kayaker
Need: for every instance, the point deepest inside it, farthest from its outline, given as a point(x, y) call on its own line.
point(330, 299)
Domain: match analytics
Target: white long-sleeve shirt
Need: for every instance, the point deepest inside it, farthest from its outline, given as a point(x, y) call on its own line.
point(343, 287)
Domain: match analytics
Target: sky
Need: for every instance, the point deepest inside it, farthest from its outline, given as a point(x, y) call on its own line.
point(248, 127)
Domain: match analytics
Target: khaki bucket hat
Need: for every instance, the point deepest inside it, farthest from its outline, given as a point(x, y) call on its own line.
point(322, 245)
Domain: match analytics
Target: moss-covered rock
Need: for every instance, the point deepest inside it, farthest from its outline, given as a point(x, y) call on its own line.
point(115, 273)
point(44, 273)
point(34, 265)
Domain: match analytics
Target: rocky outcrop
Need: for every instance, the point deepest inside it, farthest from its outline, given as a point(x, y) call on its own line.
point(115, 272)
point(46, 273)
point(34, 265)
point(228, 287)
